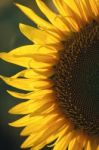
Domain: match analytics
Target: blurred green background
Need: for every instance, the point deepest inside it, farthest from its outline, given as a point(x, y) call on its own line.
point(10, 37)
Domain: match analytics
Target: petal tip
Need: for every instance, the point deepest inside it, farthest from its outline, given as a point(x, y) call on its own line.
point(12, 111)
point(1, 54)
point(17, 4)
point(11, 124)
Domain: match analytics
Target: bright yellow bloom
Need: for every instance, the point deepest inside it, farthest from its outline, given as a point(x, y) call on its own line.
point(60, 76)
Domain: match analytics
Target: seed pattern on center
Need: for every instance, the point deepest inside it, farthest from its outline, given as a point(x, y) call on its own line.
point(76, 79)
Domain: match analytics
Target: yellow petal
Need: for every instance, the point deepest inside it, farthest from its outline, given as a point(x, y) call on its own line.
point(27, 62)
point(95, 6)
point(27, 84)
point(42, 24)
point(24, 121)
point(34, 17)
point(39, 146)
point(33, 74)
point(45, 58)
point(77, 143)
point(81, 9)
point(60, 7)
point(88, 9)
point(72, 12)
point(94, 143)
point(30, 50)
point(57, 135)
point(39, 125)
point(72, 144)
point(22, 61)
point(32, 95)
point(97, 147)
point(31, 107)
point(64, 141)
point(88, 146)
point(54, 18)
point(37, 36)
point(72, 5)
point(34, 139)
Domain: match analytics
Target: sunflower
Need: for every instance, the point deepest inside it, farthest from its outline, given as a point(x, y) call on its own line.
point(60, 75)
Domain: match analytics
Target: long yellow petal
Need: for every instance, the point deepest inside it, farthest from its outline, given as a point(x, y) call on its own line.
point(29, 50)
point(73, 5)
point(39, 125)
point(39, 146)
point(35, 139)
point(41, 94)
point(59, 6)
point(27, 84)
point(54, 18)
point(77, 143)
point(88, 146)
point(68, 19)
point(24, 121)
point(23, 61)
point(30, 107)
point(87, 8)
point(63, 143)
point(33, 74)
point(35, 18)
point(37, 36)
point(72, 11)
point(42, 24)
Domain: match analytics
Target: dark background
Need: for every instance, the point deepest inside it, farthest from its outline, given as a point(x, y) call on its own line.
point(10, 38)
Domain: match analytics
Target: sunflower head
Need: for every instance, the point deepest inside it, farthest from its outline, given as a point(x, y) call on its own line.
point(61, 76)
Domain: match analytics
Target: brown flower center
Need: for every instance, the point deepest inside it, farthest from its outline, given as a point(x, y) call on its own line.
point(77, 79)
